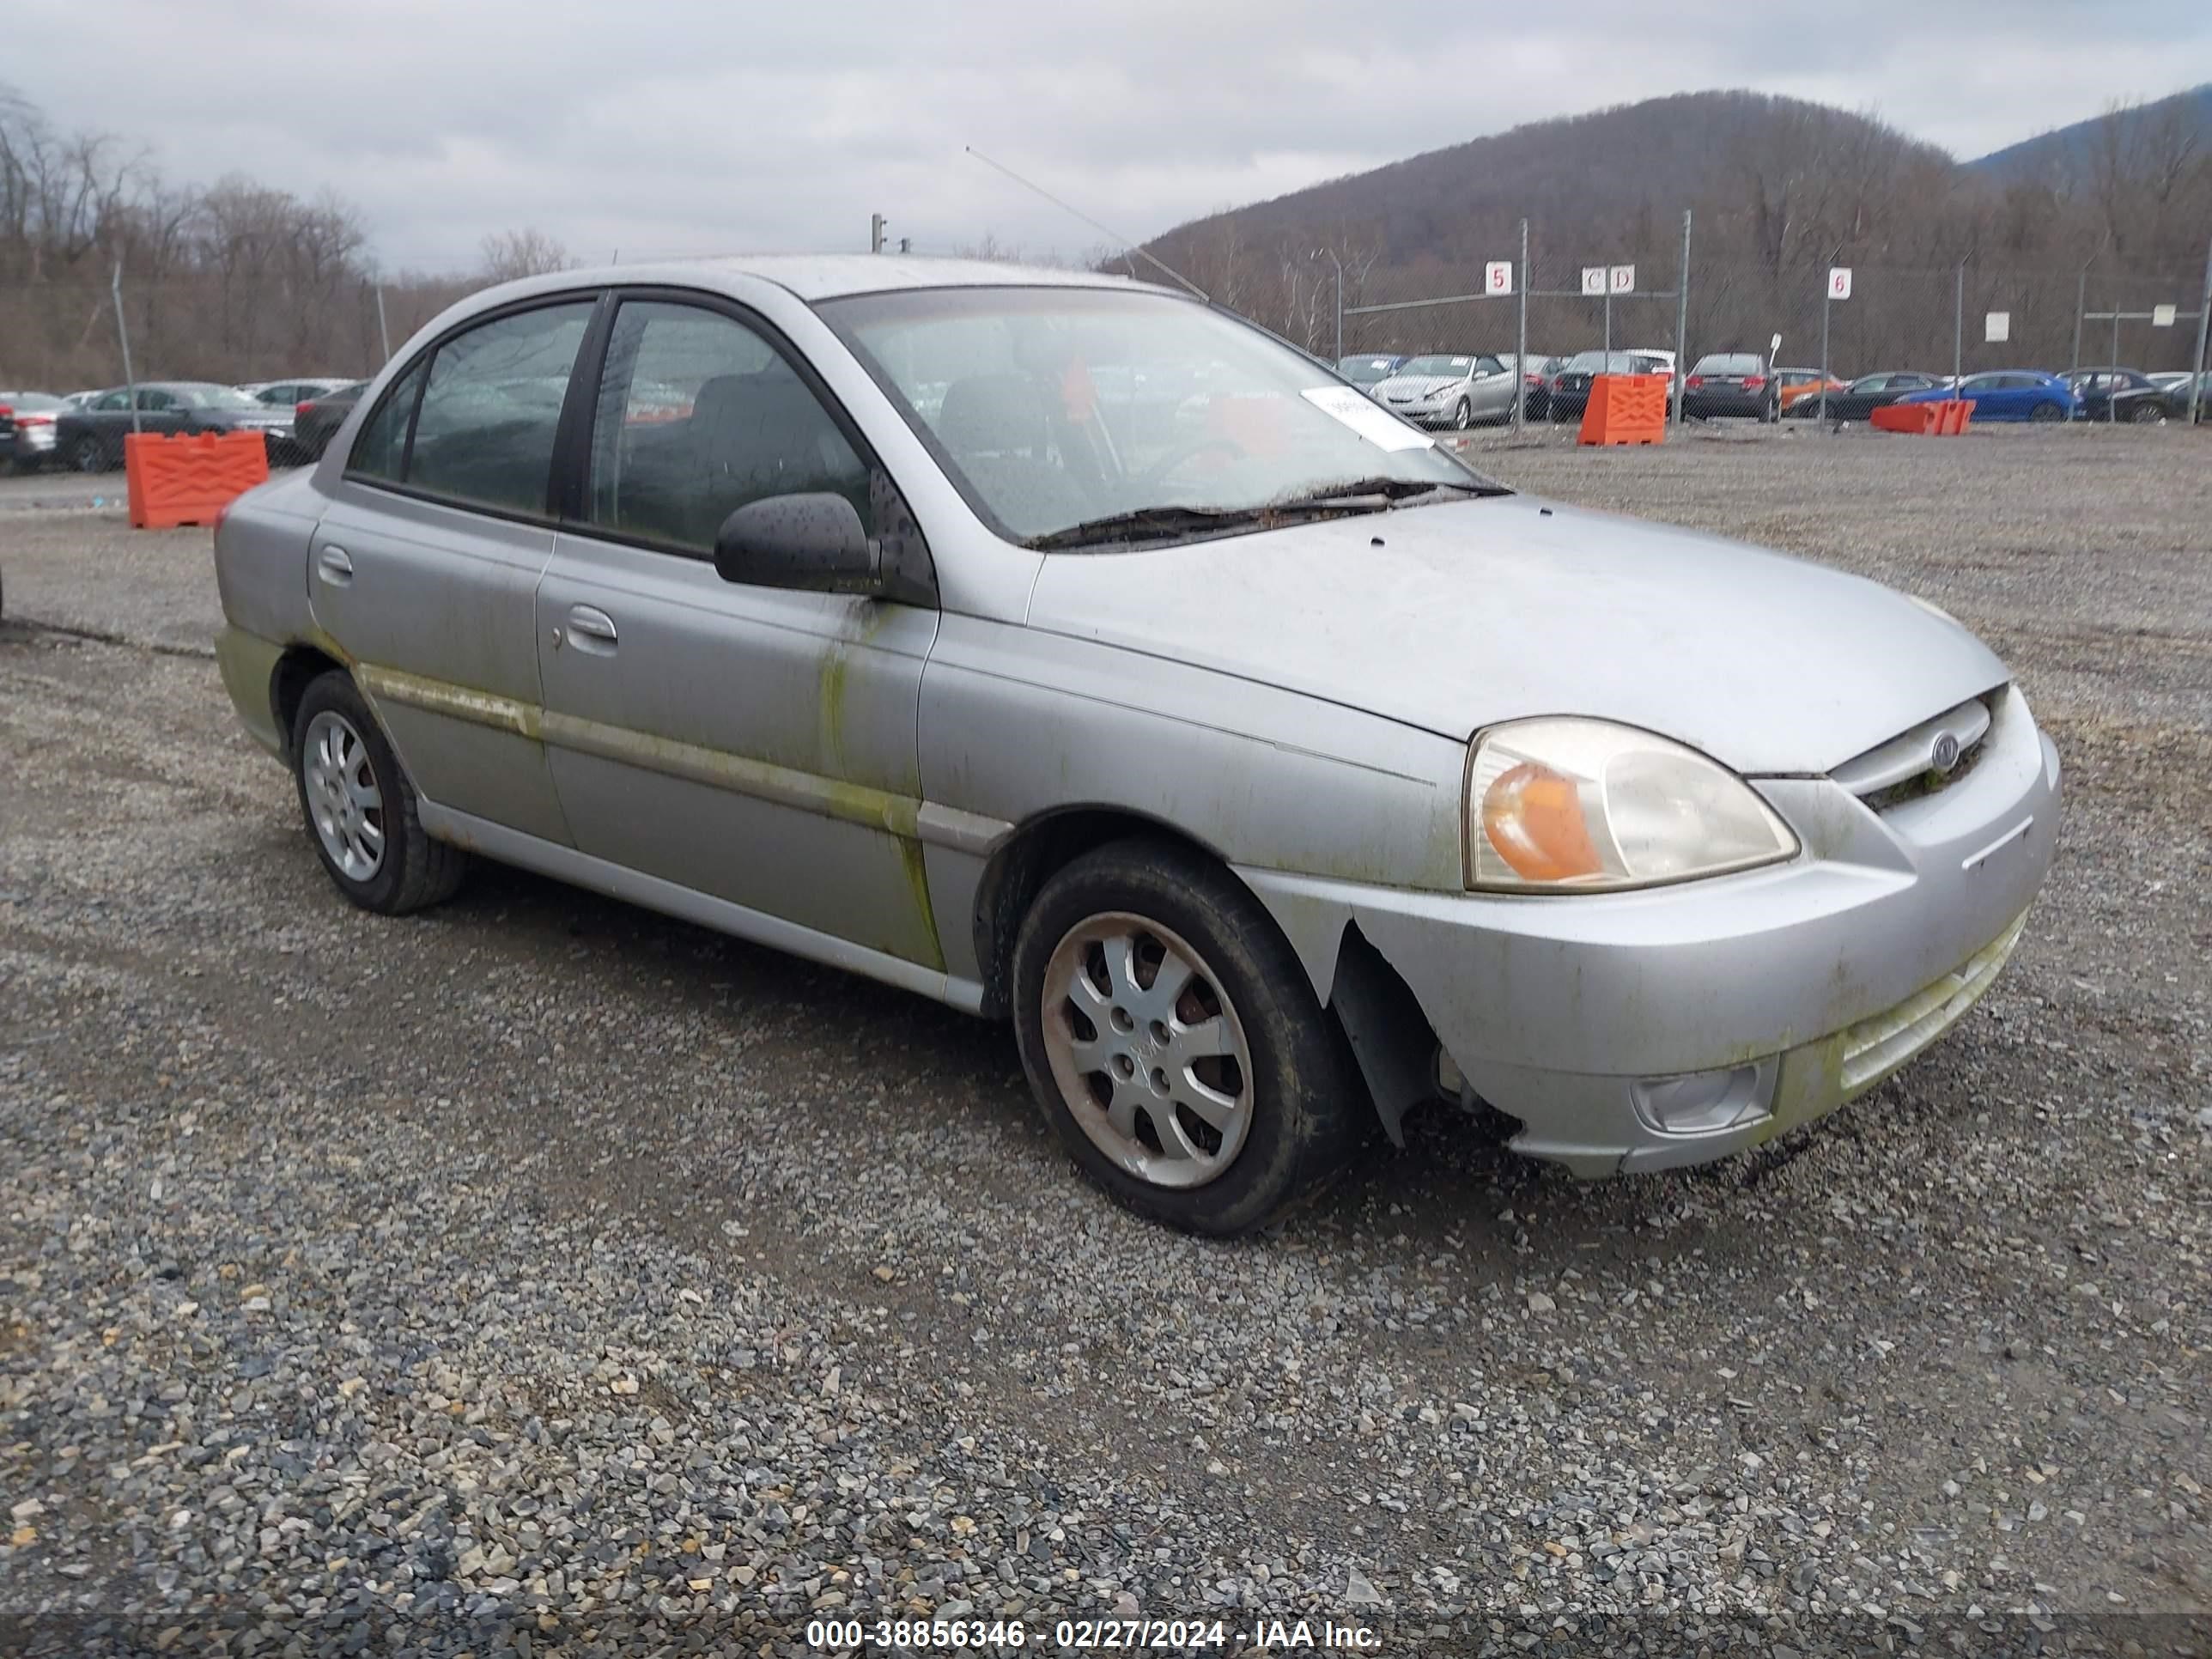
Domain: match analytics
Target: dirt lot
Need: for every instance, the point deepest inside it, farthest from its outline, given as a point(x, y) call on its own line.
point(540, 1270)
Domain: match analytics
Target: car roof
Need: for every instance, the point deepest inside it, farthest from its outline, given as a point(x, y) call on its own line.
point(814, 277)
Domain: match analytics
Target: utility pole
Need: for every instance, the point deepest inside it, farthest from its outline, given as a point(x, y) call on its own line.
point(2082, 303)
point(383, 334)
point(876, 223)
point(1329, 254)
point(1959, 326)
point(1682, 324)
point(122, 334)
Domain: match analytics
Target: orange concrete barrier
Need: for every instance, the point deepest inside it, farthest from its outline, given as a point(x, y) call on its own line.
point(1626, 408)
point(172, 481)
point(1946, 419)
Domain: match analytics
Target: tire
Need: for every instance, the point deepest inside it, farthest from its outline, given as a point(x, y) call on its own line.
point(2046, 412)
point(1462, 415)
point(1300, 1104)
point(339, 759)
point(89, 454)
point(2146, 414)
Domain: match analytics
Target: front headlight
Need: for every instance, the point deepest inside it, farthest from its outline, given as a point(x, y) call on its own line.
point(1580, 806)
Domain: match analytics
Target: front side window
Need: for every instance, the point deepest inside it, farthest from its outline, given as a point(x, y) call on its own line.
point(484, 431)
point(698, 416)
point(1081, 416)
point(113, 400)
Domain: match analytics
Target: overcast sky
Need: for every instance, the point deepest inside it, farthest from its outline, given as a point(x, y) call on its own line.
point(680, 126)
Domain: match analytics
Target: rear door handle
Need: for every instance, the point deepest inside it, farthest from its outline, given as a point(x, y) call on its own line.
point(591, 629)
point(334, 567)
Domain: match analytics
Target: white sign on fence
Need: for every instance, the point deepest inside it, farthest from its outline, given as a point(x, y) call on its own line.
point(1621, 279)
point(1498, 276)
point(2162, 316)
point(1593, 279)
point(1996, 326)
point(1839, 282)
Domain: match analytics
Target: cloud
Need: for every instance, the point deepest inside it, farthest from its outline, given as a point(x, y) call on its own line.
point(666, 126)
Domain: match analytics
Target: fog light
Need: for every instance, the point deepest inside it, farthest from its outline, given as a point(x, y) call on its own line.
point(1706, 1102)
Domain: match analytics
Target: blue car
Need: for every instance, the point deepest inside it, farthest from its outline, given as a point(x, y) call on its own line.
point(2008, 394)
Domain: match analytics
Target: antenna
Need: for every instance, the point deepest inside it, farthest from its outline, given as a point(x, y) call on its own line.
point(1135, 246)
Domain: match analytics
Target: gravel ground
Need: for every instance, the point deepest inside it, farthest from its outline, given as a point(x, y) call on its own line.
point(540, 1274)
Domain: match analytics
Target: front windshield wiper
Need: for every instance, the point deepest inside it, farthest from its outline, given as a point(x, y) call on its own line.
point(1396, 491)
point(1166, 522)
point(1145, 523)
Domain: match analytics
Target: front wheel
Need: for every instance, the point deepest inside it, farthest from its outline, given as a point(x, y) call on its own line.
point(1462, 415)
point(89, 454)
point(2046, 412)
point(361, 807)
point(1174, 1044)
point(2147, 414)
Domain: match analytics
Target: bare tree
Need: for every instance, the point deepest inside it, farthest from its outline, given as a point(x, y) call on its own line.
point(529, 251)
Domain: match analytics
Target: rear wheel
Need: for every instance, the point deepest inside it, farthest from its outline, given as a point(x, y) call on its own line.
point(361, 808)
point(2146, 414)
point(2046, 412)
point(1174, 1044)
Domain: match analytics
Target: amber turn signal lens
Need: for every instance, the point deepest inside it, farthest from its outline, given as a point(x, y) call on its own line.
point(1533, 817)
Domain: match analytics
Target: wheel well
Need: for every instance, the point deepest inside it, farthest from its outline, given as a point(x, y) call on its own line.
point(1025, 861)
point(296, 669)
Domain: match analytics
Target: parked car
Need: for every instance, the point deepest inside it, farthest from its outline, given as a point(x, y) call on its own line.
point(2167, 402)
point(1798, 383)
point(1448, 390)
point(1568, 394)
point(1732, 383)
point(291, 391)
point(2094, 388)
point(90, 439)
point(316, 419)
point(26, 429)
point(78, 399)
point(1535, 371)
point(1866, 394)
point(2010, 394)
point(1368, 369)
point(1406, 790)
point(2170, 377)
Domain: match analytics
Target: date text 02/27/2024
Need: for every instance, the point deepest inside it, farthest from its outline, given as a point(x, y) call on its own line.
point(1085, 1635)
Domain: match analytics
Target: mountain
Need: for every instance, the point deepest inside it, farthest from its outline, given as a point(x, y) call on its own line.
point(2183, 121)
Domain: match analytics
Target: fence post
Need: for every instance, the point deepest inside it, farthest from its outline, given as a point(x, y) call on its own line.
point(2080, 304)
point(1682, 323)
point(1827, 303)
point(1958, 324)
point(2197, 369)
point(383, 334)
point(122, 334)
point(1520, 342)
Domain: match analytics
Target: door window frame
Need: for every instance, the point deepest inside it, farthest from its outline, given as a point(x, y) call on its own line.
point(546, 513)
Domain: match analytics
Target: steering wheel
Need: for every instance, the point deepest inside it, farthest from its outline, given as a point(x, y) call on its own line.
point(1183, 453)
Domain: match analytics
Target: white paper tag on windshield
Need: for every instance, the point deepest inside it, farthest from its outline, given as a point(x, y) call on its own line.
point(1359, 412)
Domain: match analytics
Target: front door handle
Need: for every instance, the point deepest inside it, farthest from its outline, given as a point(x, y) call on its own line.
point(591, 629)
point(334, 567)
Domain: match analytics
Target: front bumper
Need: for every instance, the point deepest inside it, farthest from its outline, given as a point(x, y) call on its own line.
point(1810, 981)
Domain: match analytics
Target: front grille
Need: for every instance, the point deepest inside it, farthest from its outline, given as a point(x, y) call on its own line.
point(1877, 1046)
point(1906, 768)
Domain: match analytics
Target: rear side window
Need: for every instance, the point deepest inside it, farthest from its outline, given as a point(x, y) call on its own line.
point(484, 430)
point(697, 416)
point(380, 451)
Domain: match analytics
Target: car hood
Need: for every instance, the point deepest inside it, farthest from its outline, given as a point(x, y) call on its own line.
point(1420, 385)
point(1484, 611)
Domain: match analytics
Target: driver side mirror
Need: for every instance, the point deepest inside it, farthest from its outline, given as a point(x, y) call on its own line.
point(816, 543)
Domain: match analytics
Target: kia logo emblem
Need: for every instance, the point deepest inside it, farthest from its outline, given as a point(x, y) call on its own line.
point(1945, 754)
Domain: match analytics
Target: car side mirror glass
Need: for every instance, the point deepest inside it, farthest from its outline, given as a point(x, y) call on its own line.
point(813, 541)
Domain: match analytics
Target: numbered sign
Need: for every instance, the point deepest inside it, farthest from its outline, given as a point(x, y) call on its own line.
point(1839, 282)
point(1593, 279)
point(1621, 279)
point(2162, 316)
point(1498, 276)
point(1996, 326)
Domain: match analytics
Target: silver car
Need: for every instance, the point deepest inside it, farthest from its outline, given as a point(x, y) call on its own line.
point(1448, 389)
point(1267, 769)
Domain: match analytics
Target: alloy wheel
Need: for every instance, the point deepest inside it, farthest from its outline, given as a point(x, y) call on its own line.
point(344, 799)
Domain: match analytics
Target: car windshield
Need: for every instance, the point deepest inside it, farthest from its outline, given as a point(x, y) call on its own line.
point(1597, 362)
point(1081, 416)
point(1453, 367)
point(213, 396)
point(1364, 371)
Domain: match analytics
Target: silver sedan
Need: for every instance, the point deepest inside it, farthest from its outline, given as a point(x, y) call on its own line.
point(1074, 653)
point(1443, 390)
